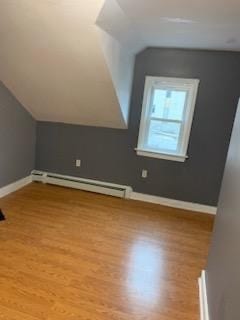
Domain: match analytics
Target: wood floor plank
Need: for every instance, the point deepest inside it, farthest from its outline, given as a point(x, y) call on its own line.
point(68, 254)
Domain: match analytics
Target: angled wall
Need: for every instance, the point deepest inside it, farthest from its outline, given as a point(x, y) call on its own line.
point(120, 63)
point(17, 139)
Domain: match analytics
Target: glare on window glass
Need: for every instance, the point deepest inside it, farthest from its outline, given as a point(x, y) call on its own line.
point(163, 135)
point(168, 104)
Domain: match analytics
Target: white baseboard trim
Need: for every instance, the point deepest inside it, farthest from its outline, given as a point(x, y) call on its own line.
point(174, 203)
point(59, 180)
point(4, 191)
point(204, 313)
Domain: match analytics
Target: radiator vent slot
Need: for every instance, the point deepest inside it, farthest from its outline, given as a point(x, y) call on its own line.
point(82, 184)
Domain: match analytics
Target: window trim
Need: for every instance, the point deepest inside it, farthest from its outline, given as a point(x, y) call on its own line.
point(191, 85)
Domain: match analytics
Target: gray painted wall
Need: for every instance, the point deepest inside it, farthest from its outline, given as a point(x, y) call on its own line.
point(223, 281)
point(108, 154)
point(17, 139)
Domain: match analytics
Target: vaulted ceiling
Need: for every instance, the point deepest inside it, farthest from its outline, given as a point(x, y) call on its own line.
point(72, 60)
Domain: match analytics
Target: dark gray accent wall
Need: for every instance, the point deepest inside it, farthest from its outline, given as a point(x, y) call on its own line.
point(17, 139)
point(223, 269)
point(108, 154)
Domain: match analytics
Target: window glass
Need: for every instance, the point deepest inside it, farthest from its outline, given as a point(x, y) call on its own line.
point(163, 135)
point(168, 104)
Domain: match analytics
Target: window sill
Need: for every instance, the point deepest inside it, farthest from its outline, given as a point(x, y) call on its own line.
point(164, 156)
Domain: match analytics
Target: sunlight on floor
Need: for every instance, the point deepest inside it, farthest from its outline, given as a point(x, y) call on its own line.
point(146, 266)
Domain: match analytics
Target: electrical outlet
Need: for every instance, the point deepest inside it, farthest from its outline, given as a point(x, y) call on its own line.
point(78, 163)
point(144, 174)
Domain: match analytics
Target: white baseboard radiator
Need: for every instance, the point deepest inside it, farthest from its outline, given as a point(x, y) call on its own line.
point(83, 184)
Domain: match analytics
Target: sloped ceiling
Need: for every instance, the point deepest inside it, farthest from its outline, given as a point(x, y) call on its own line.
point(72, 60)
point(52, 60)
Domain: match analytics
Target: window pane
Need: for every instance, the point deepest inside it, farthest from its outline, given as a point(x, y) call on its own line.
point(163, 135)
point(168, 104)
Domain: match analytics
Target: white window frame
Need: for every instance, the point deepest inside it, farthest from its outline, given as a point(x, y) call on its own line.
point(191, 85)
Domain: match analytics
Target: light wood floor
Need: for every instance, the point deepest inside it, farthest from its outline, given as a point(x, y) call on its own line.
point(72, 255)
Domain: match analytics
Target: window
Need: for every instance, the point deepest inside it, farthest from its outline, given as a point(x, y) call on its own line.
point(166, 120)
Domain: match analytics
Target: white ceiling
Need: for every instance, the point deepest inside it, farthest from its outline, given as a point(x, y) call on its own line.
point(201, 24)
point(62, 67)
